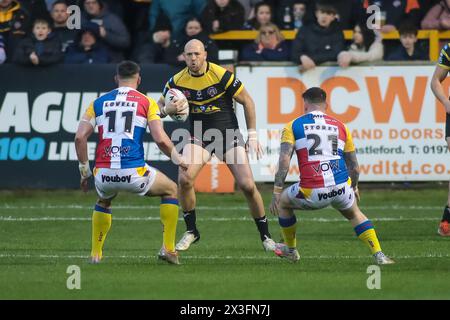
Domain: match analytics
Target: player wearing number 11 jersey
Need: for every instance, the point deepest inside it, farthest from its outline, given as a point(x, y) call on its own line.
point(329, 175)
point(122, 117)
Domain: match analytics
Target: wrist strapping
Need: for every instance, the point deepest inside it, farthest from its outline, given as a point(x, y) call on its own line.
point(277, 190)
point(85, 170)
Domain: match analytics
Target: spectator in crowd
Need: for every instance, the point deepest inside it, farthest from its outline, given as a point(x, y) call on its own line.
point(349, 12)
point(366, 47)
point(298, 13)
point(319, 42)
point(37, 9)
point(154, 50)
point(193, 30)
point(42, 48)
point(410, 48)
point(263, 16)
point(438, 17)
point(249, 8)
point(109, 27)
point(87, 50)
point(50, 3)
point(2, 50)
point(136, 19)
point(269, 45)
point(223, 15)
point(177, 11)
point(393, 13)
point(60, 29)
point(14, 24)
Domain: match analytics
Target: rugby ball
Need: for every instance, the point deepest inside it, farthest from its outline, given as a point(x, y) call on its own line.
point(174, 95)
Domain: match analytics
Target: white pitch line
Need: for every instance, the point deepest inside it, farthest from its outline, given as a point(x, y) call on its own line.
point(213, 219)
point(324, 257)
point(225, 208)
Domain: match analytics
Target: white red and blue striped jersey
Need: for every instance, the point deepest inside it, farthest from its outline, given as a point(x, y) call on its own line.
point(121, 116)
point(320, 142)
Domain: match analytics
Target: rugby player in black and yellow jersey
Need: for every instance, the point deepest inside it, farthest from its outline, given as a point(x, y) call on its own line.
point(210, 91)
point(440, 73)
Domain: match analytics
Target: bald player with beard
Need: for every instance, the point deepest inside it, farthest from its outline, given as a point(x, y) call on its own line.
point(211, 91)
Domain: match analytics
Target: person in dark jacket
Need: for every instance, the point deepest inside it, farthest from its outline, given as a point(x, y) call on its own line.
point(87, 50)
point(193, 30)
point(60, 17)
point(410, 48)
point(41, 49)
point(14, 24)
point(269, 45)
point(37, 9)
point(109, 27)
point(223, 15)
point(319, 42)
point(156, 44)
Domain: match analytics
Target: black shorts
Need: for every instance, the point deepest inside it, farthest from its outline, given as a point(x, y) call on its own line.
point(447, 125)
point(219, 145)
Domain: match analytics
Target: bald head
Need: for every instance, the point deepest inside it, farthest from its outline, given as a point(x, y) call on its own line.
point(194, 45)
point(195, 56)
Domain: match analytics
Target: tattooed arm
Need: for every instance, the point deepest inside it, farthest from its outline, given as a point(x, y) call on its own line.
point(353, 170)
point(286, 151)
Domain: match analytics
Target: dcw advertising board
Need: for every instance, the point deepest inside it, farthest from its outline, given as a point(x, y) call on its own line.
point(397, 125)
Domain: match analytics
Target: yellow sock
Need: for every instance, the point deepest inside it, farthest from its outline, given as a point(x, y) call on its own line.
point(101, 222)
point(169, 218)
point(289, 228)
point(366, 232)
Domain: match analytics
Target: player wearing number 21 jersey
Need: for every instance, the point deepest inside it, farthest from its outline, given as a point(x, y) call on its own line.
point(329, 175)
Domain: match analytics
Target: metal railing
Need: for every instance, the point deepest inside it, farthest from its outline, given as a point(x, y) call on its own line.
point(433, 36)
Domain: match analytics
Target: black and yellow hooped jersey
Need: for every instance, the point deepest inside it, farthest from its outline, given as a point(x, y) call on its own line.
point(444, 57)
point(210, 96)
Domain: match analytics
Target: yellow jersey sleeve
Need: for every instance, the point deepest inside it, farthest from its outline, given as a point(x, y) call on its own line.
point(234, 86)
point(444, 57)
point(89, 114)
point(287, 134)
point(349, 146)
point(153, 110)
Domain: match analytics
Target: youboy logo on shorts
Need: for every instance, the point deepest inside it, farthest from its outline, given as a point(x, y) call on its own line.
point(116, 178)
point(332, 194)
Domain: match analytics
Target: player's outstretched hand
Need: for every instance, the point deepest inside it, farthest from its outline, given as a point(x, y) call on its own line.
point(275, 204)
point(254, 147)
point(84, 184)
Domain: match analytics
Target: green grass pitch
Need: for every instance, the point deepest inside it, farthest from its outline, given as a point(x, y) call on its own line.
point(44, 232)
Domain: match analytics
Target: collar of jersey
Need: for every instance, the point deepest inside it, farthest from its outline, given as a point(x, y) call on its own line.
point(200, 75)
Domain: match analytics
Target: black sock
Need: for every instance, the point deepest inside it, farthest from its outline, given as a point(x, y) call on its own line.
point(189, 219)
point(446, 215)
point(263, 228)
